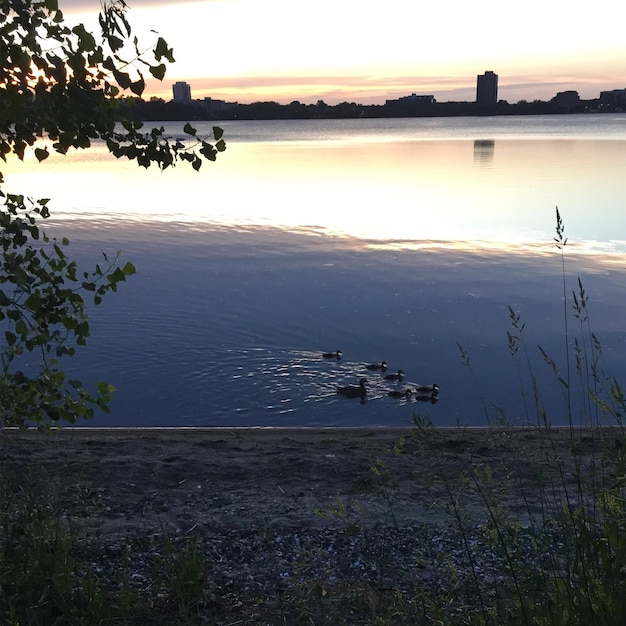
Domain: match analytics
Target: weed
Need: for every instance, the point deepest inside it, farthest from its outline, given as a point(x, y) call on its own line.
point(182, 574)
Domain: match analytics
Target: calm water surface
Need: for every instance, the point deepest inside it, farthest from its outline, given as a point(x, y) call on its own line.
point(389, 239)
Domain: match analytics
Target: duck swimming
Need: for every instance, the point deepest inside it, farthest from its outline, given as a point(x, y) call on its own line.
point(434, 388)
point(332, 355)
point(353, 391)
point(396, 393)
point(377, 366)
point(398, 376)
point(433, 398)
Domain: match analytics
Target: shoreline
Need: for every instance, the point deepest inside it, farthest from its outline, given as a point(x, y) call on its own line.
point(82, 430)
point(120, 482)
point(278, 511)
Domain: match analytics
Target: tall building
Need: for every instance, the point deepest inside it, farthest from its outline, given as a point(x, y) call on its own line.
point(487, 89)
point(181, 91)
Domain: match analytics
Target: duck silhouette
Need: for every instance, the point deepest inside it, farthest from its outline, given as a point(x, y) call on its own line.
point(398, 376)
point(433, 398)
point(353, 391)
point(397, 393)
point(434, 388)
point(377, 366)
point(332, 355)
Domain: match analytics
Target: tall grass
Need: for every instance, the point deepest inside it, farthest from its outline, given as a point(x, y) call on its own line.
point(45, 580)
point(566, 562)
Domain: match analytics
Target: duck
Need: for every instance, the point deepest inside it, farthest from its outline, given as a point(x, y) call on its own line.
point(332, 355)
point(397, 393)
point(377, 366)
point(353, 391)
point(433, 398)
point(434, 388)
point(398, 376)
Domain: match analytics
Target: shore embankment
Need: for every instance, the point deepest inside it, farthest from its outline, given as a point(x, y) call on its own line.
point(272, 508)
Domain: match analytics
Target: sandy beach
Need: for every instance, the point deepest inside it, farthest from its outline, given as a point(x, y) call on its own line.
point(270, 505)
point(178, 481)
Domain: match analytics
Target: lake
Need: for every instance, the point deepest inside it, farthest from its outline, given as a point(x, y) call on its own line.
point(398, 239)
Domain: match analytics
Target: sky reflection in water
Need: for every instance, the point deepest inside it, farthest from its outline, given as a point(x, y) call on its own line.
point(371, 186)
point(225, 327)
point(388, 249)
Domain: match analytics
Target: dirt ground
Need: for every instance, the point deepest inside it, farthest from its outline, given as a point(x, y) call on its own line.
point(278, 514)
point(130, 481)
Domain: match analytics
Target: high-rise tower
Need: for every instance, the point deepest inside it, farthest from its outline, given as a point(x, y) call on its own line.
point(181, 91)
point(487, 89)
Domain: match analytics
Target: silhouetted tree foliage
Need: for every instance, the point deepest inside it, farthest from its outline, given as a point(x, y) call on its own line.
point(60, 89)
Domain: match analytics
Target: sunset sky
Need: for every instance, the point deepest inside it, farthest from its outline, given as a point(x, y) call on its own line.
point(368, 52)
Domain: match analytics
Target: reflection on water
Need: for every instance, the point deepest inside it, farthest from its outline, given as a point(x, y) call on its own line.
point(483, 151)
point(387, 239)
point(374, 179)
point(226, 327)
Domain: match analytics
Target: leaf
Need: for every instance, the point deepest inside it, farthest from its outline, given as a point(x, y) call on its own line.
point(158, 71)
point(4, 299)
point(20, 277)
point(122, 78)
point(188, 129)
point(108, 64)
point(105, 388)
point(163, 50)
point(20, 328)
point(208, 151)
point(86, 41)
point(129, 269)
point(138, 87)
point(33, 302)
point(115, 43)
point(42, 154)
point(96, 57)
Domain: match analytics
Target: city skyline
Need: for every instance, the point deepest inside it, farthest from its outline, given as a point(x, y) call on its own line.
point(245, 51)
point(182, 92)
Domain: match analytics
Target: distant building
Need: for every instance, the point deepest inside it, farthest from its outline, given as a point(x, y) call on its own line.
point(216, 108)
point(181, 91)
point(566, 99)
point(410, 105)
point(414, 98)
point(615, 97)
point(487, 89)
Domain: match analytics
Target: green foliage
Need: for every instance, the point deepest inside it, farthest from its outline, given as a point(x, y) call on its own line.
point(35, 558)
point(43, 313)
point(60, 88)
point(42, 581)
point(182, 572)
point(62, 84)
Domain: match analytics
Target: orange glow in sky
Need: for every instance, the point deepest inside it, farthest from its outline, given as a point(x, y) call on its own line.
point(367, 52)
